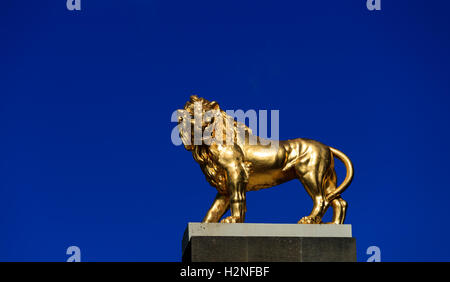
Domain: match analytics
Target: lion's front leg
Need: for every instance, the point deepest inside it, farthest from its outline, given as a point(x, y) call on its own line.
point(218, 208)
point(237, 184)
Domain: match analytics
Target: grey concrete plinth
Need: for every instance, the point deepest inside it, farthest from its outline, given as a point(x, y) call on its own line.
point(249, 242)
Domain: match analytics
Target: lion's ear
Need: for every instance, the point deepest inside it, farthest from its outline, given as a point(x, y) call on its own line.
point(214, 105)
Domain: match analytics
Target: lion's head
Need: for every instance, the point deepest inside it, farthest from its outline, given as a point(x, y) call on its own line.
point(191, 121)
point(201, 121)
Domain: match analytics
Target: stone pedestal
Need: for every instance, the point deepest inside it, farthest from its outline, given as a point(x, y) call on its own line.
point(249, 242)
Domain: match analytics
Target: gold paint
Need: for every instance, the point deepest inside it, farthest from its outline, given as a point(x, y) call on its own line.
point(236, 168)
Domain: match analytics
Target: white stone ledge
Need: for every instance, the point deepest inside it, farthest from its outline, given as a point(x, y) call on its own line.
point(265, 230)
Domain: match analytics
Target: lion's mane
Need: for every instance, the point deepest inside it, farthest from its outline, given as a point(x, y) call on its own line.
point(215, 175)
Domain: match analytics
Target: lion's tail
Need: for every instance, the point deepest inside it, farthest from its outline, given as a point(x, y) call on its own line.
point(348, 178)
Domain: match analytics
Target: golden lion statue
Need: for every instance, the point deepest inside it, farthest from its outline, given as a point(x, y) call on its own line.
point(237, 167)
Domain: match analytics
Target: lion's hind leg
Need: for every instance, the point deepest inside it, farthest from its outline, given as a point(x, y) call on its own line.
point(339, 205)
point(316, 172)
point(313, 183)
point(339, 210)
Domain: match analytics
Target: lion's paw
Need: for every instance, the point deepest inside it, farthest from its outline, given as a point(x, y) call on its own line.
point(230, 219)
point(310, 220)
